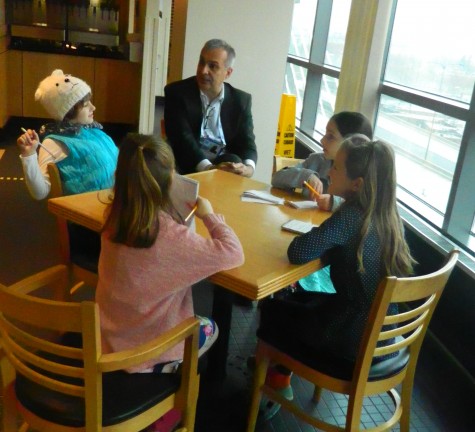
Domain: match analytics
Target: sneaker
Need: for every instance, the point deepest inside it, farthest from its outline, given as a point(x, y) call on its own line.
point(209, 332)
point(269, 408)
point(167, 423)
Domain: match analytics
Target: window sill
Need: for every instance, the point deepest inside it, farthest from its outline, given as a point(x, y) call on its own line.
point(436, 239)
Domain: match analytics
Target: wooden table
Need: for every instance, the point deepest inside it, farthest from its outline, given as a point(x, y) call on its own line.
point(266, 268)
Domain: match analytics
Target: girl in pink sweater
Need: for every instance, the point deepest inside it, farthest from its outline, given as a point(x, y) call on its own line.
point(149, 259)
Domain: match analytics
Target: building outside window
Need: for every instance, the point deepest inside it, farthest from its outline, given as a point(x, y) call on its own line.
point(424, 104)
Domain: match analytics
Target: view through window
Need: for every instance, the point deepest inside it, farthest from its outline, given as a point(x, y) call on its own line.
point(425, 105)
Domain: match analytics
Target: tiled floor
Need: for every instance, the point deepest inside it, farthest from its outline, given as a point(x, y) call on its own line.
point(28, 244)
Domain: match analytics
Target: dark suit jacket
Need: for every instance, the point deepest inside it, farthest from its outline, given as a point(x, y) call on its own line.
point(184, 115)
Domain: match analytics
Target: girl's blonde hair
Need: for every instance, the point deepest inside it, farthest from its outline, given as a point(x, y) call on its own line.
point(142, 182)
point(373, 162)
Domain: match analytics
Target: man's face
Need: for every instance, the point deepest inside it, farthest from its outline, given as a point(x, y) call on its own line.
point(212, 71)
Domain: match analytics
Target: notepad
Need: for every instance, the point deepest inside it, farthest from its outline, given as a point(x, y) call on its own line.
point(183, 192)
point(298, 227)
point(303, 204)
point(261, 197)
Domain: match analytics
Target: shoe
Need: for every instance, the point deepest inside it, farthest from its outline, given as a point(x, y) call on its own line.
point(276, 372)
point(267, 409)
point(167, 423)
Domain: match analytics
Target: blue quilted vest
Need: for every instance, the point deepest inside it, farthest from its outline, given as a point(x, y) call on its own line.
point(91, 162)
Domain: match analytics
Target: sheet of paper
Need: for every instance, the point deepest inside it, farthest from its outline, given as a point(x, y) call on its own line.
point(262, 196)
point(183, 194)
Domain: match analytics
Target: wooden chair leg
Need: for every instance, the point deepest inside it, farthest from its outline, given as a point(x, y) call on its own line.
point(406, 397)
point(260, 373)
point(317, 394)
point(10, 413)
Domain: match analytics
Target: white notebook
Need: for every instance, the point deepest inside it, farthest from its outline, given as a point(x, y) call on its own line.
point(303, 204)
point(298, 227)
point(183, 193)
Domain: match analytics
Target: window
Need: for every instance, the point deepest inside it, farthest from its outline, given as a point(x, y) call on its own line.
point(418, 84)
point(425, 109)
point(315, 55)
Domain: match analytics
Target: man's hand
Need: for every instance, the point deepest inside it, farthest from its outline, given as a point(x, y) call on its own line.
point(237, 168)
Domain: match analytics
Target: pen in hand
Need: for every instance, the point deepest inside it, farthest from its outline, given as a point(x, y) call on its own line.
point(191, 213)
point(41, 145)
point(311, 189)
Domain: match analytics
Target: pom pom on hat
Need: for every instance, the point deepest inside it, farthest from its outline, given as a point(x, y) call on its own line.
point(58, 93)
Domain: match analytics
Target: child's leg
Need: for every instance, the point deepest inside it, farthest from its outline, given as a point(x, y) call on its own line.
point(207, 337)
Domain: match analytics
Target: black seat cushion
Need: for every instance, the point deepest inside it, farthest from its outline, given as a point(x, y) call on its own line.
point(124, 396)
point(337, 367)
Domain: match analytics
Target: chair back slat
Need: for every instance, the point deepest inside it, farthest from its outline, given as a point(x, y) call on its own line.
point(405, 329)
point(41, 343)
point(391, 348)
point(39, 358)
point(45, 380)
point(410, 314)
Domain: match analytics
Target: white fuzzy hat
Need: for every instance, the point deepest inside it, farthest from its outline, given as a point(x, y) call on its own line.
point(58, 93)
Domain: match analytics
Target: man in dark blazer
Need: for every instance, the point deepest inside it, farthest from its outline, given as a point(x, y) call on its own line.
point(208, 123)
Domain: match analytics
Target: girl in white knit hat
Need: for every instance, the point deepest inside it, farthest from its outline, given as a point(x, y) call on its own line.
point(85, 155)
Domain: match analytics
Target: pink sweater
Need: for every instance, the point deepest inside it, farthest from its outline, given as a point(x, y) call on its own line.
point(145, 292)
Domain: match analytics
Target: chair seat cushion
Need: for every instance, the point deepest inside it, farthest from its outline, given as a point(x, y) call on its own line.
point(124, 396)
point(337, 367)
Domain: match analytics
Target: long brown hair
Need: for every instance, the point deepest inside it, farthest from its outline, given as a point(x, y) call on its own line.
point(373, 162)
point(142, 182)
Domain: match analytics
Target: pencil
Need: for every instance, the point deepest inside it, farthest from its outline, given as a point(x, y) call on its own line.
point(311, 188)
point(191, 213)
point(41, 145)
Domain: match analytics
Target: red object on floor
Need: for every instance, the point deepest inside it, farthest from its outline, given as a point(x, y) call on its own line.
point(167, 423)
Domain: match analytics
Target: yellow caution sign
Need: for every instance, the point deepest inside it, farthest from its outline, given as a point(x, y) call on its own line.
point(285, 141)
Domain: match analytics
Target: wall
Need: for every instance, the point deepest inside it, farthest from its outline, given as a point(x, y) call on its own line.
point(259, 31)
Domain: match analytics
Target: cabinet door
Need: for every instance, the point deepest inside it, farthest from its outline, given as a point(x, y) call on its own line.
point(117, 91)
point(10, 86)
point(37, 66)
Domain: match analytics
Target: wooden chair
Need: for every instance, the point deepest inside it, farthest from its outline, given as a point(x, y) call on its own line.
point(64, 386)
point(365, 379)
point(283, 162)
point(82, 266)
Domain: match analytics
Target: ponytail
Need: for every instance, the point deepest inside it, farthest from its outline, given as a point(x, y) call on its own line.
point(144, 171)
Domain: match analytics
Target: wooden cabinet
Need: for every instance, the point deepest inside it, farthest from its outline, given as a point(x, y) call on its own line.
point(10, 85)
point(117, 91)
point(115, 84)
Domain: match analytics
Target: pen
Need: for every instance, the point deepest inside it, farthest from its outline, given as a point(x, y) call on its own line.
point(191, 213)
point(311, 188)
point(41, 145)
